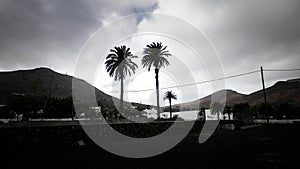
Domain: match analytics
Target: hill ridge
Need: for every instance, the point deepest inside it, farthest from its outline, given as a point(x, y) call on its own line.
point(23, 81)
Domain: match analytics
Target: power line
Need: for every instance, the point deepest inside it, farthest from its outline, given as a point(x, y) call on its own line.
point(195, 83)
point(280, 70)
point(213, 80)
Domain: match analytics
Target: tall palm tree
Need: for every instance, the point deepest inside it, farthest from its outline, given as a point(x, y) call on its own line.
point(170, 95)
point(155, 55)
point(119, 64)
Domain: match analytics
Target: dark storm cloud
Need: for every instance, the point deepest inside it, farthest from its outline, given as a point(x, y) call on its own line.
point(261, 32)
point(34, 31)
point(42, 32)
point(247, 34)
point(250, 34)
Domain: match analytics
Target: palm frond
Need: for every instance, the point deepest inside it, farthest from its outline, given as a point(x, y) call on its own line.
point(118, 62)
point(154, 54)
point(170, 95)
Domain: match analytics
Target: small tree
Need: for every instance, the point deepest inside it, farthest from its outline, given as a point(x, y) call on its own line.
point(170, 95)
point(265, 109)
point(216, 108)
point(284, 109)
point(242, 112)
point(202, 113)
point(227, 110)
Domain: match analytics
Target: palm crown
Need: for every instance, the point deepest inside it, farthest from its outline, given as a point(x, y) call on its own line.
point(170, 95)
point(119, 64)
point(154, 55)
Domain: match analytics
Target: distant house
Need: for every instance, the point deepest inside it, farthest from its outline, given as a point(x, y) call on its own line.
point(94, 112)
point(210, 116)
point(96, 109)
point(151, 113)
point(18, 94)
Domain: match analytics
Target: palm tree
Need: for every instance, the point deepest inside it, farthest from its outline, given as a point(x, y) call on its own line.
point(217, 108)
point(119, 64)
point(227, 110)
point(202, 113)
point(155, 55)
point(170, 95)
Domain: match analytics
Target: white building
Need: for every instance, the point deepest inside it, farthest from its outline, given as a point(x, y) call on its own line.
point(210, 116)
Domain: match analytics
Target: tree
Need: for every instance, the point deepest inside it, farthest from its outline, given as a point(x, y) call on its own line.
point(119, 64)
point(51, 91)
point(25, 106)
point(155, 55)
point(35, 87)
point(264, 108)
point(217, 108)
point(227, 110)
point(242, 112)
point(284, 109)
point(202, 113)
point(254, 111)
point(170, 95)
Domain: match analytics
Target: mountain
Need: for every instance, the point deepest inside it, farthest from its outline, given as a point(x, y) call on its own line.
point(281, 92)
point(42, 82)
point(231, 98)
point(48, 83)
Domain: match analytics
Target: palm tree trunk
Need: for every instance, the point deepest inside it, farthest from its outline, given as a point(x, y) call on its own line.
point(122, 92)
point(157, 92)
point(170, 101)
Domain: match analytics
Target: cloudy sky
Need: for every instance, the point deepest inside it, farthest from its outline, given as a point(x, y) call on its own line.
point(245, 34)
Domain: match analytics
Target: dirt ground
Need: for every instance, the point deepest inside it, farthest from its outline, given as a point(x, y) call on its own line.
point(265, 146)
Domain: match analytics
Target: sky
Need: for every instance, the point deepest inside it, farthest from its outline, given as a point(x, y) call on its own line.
point(245, 35)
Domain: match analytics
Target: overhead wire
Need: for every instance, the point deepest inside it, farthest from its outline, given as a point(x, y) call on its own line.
point(212, 80)
point(195, 83)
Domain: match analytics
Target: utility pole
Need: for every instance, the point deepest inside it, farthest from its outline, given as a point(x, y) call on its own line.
point(264, 91)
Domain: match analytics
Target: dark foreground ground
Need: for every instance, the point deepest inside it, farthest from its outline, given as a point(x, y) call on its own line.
point(267, 146)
